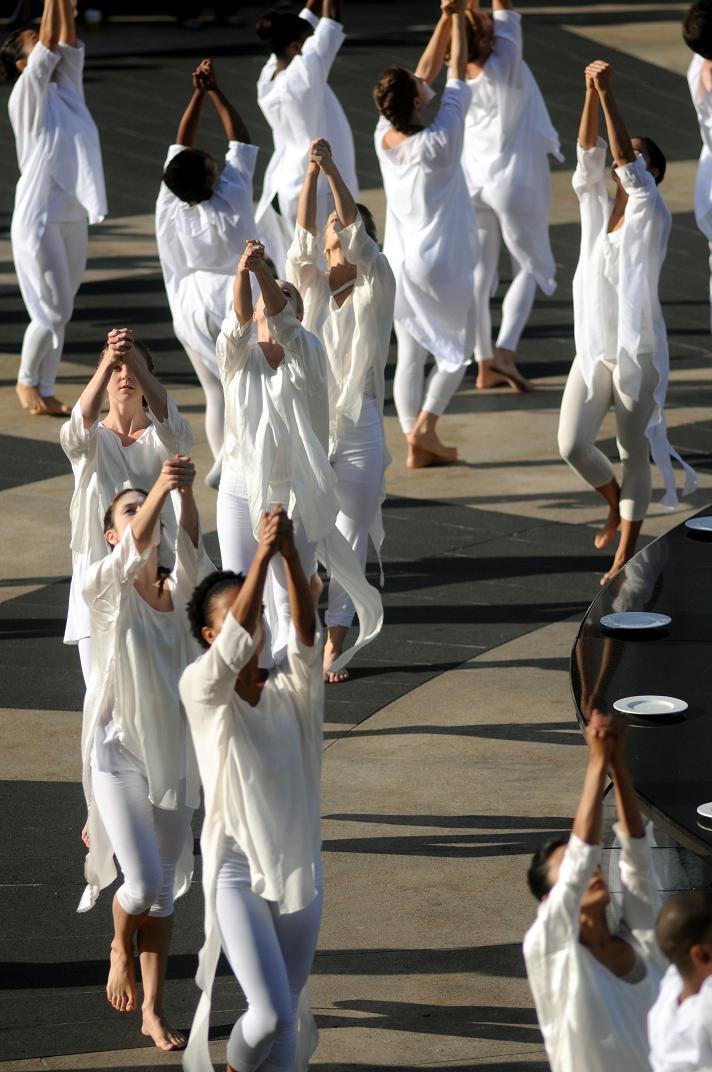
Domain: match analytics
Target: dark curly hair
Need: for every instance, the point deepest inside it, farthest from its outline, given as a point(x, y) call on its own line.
point(280, 29)
point(394, 94)
point(538, 873)
point(190, 175)
point(697, 29)
point(10, 53)
point(200, 607)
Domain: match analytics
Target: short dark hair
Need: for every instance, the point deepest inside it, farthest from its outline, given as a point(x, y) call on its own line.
point(10, 53)
point(656, 157)
point(684, 920)
point(697, 28)
point(280, 29)
point(368, 221)
point(538, 873)
point(200, 607)
point(190, 177)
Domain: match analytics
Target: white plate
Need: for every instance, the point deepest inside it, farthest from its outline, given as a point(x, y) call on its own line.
point(705, 811)
point(635, 619)
point(699, 524)
point(650, 705)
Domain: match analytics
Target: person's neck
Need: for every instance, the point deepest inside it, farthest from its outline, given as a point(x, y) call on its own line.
point(691, 984)
point(340, 270)
point(126, 418)
point(594, 932)
point(274, 353)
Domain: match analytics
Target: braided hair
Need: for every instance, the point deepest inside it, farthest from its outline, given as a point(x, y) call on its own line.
point(394, 94)
point(200, 607)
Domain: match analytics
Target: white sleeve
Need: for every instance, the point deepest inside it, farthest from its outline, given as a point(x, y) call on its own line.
point(641, 900)
point(71, 68)
point(637, 181)
point(357, 245)
point(166, 198)
point(287, 330)
point(174, 432)
point(590, 168)
point(211, 678)
point(558, 915)
point(302, 266)
point(192, 563)
point(305, 679)
point(445, 135)
point(235, 183)
point(508, 44)
point(318, 54)
point(233, 347)
point(28, 95)
point(78, 442)
point(106, 579)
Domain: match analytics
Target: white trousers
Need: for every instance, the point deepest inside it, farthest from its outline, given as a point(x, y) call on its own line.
point(147, 841)
point(358, 464)
point(214, 400)
point(581, 419)
point(60, 262)
point(271, 957)
point(519, 299)
point(408, 389)
point(238, 547)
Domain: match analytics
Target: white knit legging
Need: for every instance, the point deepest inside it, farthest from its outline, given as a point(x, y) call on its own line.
point(408, 382)
point(61, 260)
point(146, 840)
point(581, 419)
point(271, 956)
point(214, 400)
point(519, 299)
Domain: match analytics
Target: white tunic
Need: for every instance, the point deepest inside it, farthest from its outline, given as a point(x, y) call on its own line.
point(508, 135)
point(615, 291)
point(583, 1008)
point(277, 423)
point(199, 247)
point(133, 690)
point(680, 1033)
point(59, 155)
point(300, 106)
point(103, 466)
point(431, 236)
point(702, 101)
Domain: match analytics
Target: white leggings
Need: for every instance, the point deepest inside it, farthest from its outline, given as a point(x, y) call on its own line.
point(60, 260)
point(214, 401)
point(271, 956)
point(238, 547)
point(519, 299)
point(408, 382)
point(358, 464)
point(580, 421)
point(147, 841)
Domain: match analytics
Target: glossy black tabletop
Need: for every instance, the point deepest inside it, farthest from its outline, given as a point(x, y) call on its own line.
point(670, 758)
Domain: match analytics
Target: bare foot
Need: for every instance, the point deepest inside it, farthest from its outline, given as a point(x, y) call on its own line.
point(486, 378)
point(430, 443)
point(619, 562)
point(53, 407)
point(164, 1036)
point(421, 459)
point(608, 530)
point(513, 376)
point(121, 984)
point(30, 399)
point(331, 653)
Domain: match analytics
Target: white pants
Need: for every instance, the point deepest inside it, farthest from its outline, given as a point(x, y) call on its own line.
point(358, 464)
point(214, 400)
point(408, 382)
point(61, 260)
point(147, 841)
point(271, 956)
point(238, 547)
point(519, 299)
point(581, 419)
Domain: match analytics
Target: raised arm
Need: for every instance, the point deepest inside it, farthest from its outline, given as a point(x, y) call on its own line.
point(247, 608)
point(301, 601)
point(272, 293)
point(627, 807)
point(588, 127)
point(50, 24)
point(189, 519)
point(306, 209)
point(343, 199)
point(332, 9)
point(458, 48)
point(121, 344)
point(430, 63)
point(242, 287)
point(92, 397)
point(622, 149)
point(588, 824)
point(190, 120)
point(67, 24)
point(233, 125)
point(178, 472)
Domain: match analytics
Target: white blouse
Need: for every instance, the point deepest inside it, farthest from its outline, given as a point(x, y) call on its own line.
point(702, 101)
point(199, 247)
point(583, 1008)
point(133, 691)
point(615, 291)
point(103, 466)
point(680, 1033)
point(431, 236)
point(261, 770)
point(300, 106)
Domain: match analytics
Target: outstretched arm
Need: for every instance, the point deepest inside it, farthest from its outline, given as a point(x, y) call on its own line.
point(627, 807)
point(306, 209)
point(458, 49)
point(190, 120)
point(178, 472)
point(588, 824)
point(622, 149)
point(242, 287)
point(301, 601)
point(189, 517)
point(343, 199)
point(331, 9)
point(273, 295)
point(121, 344)
point(92, 397)
point(230, 118)
point(50, 23)
point(67, 24)
point(247, 608)
point(430, 63)
point(588, 127)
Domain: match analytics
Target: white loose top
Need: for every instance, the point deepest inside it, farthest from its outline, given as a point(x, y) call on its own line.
point(431, 236)
point(133, 689)
point(583, 1008)
point(200, 245)
point(300, 106)
point(508, 135)
point(102, 467)
point(617, 313)
point(680, 1033)
point(702, 101)
point(260, 768)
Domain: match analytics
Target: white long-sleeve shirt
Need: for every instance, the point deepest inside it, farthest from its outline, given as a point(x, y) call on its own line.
point(591, 1020)
point(617, 313)
point(680, 1033)
point(199, 247)
point(431, 237)
point(702, 100)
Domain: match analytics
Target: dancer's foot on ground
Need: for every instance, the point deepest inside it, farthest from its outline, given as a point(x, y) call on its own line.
point(121, 984)
point(30, 399)
point(487, 378)
point(54, 407)
point(164, 1036)
point(509, 371)
point(425, 448)
point(618, 563)
point(606, 534)
point(332, 651)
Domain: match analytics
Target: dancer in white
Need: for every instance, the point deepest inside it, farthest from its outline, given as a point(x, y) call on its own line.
point(202, 224)
point(697, 31)
point(60, 191)
point(350, 308)
point(299, 106)
point(125, 449)
point(430, 241)
point(276, 444)
point(621, 341)
point(258, 739)
point(593, 988)
point(140, 776)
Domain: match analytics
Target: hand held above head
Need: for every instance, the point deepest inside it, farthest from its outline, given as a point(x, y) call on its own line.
point(204, 77)
point(320, 154)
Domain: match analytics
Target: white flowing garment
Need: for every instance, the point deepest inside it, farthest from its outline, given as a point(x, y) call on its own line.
point(582, 1007)
point(680, 1033)
point(59, 155)
point(508, 136)
point(279, 418)
point(431, 235)
point(102, 467)
point(199, 247)
point(300, 106)
point(702, 101)
point(139, 698)
point(616, 292)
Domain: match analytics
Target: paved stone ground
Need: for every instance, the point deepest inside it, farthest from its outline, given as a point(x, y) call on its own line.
point(453, 750)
